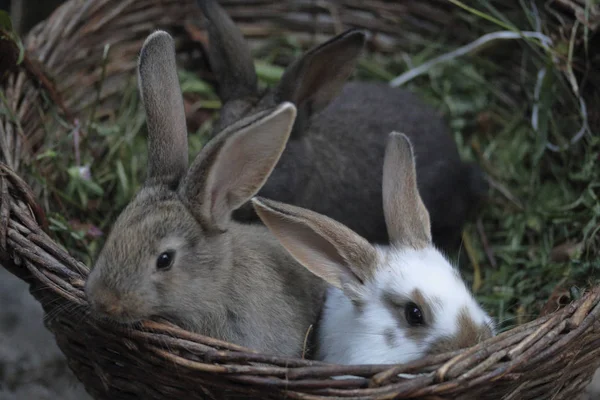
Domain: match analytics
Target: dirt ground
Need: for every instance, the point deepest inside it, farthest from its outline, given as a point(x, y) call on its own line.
point(32, 366)
point(593, 392)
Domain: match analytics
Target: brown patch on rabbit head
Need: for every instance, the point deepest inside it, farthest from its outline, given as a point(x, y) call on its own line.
point(469, 334)
point(396, 303)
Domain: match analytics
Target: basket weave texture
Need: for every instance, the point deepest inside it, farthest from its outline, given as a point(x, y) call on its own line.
point(553, 356)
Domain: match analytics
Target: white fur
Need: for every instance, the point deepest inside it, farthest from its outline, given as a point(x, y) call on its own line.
point(350, 336)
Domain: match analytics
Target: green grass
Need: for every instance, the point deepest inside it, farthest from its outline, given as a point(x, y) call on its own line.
point(540, 199)
point(542, 220)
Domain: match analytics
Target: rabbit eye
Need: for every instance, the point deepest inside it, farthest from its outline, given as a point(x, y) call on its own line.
point(413, 314)
point(165, 260)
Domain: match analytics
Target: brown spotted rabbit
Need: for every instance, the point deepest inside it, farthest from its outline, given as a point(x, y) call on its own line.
point(386, 304)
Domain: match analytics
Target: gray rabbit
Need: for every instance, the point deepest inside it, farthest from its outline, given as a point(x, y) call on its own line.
point(333, 161)
point(175, 252)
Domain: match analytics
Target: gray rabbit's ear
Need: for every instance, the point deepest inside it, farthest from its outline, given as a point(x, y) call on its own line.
point(230, 57)
point(406, 217)
point(327, 248)
point(235, 164)
point(315, 79)
point(163, 103)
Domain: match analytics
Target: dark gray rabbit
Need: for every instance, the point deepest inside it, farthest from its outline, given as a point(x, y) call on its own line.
point(175, 252)
point(333, 160)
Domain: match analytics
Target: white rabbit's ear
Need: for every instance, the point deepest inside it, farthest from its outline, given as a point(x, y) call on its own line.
point(325, 247)
point(406, 217)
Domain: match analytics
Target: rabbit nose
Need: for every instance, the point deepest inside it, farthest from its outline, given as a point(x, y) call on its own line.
point(107, 303)
point(110, 309)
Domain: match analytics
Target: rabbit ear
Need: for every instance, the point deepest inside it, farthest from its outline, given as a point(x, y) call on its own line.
point(229, 54)
point(315, 79)
point(235, 164)
point(327, 248)
point(163, 104)
point(406, 217)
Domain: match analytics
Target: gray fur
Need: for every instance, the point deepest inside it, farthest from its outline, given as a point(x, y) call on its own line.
point(228, 280)
point(165, 115)
point(333, 162)
point(230, 57)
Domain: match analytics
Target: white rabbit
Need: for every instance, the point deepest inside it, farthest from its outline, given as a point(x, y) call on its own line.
point(386, 304)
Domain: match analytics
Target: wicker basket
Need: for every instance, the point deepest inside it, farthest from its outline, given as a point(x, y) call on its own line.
point(551, 357)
